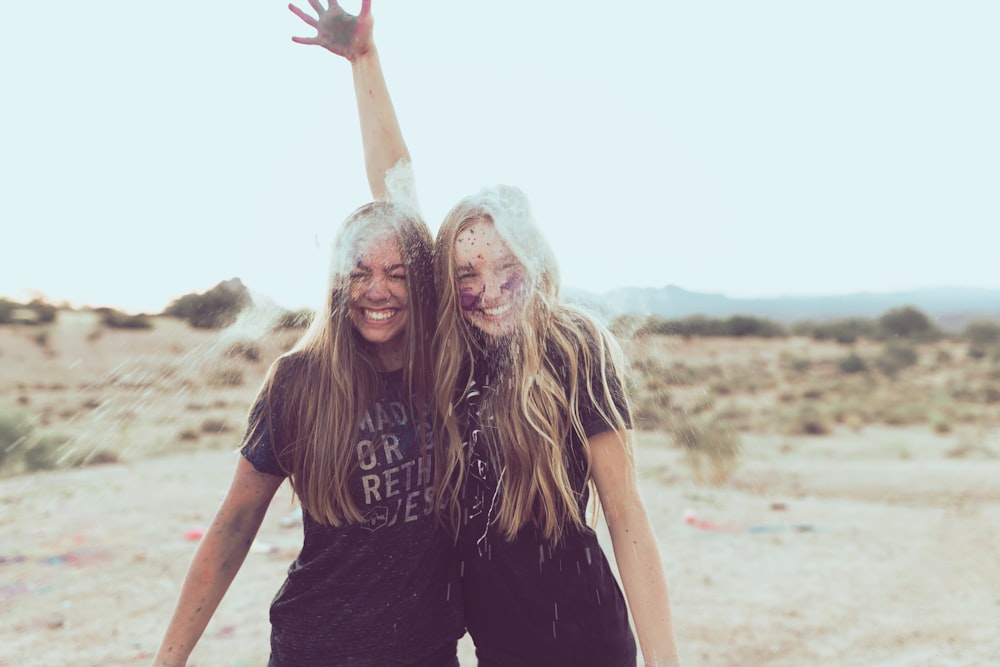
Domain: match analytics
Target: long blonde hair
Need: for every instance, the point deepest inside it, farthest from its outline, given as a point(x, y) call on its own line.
point(319, 391)
point(534, 408)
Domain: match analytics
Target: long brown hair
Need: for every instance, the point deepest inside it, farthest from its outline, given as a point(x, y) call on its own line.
point(319, 391)
point(535, 407)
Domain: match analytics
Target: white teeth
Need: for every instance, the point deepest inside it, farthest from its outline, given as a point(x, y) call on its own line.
point(379, 315)
point(496, 310)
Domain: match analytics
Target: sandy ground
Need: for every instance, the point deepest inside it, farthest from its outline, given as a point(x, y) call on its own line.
point(875, 546)
point(836, 556)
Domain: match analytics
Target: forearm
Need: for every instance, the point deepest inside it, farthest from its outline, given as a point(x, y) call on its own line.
point(638, 557)
point(215, 564)
point(381, 136)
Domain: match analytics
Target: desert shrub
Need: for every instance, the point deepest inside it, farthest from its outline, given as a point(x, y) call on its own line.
point(710, 444)
point(649, 385)
point(34, 312)
point(43, 454)
point(940, 423)
point(7, 309)
point(907, 323)
point(756, 327)
point(846, 331)
point(45, 312)
point(808, 420)
point(895, 356)
point(852, 363)
point(799, 364)
point(699, 325)
point(246, 350)
point(115, 319)
point(16, 427)
point(214, 309)
point(295, 319)
point(215, 426)
point(983, 336)
point(226, 377)
point(651, 408)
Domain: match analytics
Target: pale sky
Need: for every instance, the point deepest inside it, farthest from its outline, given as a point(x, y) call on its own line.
point(754, 149)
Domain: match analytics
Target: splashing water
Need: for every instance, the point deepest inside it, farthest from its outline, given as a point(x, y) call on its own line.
point(143, 405)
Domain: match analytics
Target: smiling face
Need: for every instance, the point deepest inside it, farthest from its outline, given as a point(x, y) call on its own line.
point(378, 296)
point(490, 279)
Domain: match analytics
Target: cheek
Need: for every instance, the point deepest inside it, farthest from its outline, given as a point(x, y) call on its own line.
point(469, 300)
point(514, 283)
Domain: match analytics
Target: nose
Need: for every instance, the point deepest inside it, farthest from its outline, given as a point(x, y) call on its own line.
point(378, 289)
point(492, 287)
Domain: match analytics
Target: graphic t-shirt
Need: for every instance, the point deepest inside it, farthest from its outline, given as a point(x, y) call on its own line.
point(529, 603)
point(383, 592)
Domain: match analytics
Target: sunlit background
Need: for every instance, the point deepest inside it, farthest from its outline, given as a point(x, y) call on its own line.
point(148, 150)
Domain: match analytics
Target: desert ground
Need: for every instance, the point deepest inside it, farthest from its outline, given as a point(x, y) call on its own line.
point(838, 528)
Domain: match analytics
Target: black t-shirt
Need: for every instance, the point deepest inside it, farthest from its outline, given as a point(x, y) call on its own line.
point(380, 593)
point(529, 603)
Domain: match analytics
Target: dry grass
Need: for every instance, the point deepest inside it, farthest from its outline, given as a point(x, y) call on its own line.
point(98, 394)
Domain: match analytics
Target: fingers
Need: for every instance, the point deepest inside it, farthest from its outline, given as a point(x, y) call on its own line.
point(307, 40)
point(366, 8)
point(335, 7)
point(318, 8)
point(302, 15)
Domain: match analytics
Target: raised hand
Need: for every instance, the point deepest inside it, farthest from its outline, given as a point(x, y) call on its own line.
point(337, 31)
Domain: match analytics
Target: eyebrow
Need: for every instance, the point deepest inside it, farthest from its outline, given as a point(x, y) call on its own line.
point(389, 269)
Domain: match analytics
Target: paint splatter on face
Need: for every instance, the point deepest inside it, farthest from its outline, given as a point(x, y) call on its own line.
point(491, 281)
point(470, 301)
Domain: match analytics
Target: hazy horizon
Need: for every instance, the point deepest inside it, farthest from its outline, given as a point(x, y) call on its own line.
point(753, 150)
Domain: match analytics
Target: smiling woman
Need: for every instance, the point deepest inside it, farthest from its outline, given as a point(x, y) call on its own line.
point(378, 294)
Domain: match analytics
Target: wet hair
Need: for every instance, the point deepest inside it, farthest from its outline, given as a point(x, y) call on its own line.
point(556, 359)
point(320, 390)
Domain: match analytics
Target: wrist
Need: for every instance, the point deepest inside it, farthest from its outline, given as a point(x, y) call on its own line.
point(364, 57)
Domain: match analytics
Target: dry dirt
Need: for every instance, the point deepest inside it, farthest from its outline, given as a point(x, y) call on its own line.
point(867, 546)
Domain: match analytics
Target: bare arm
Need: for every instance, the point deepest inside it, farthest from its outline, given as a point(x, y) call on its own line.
point(352, 37)
point(635, 547)
point(217, 560)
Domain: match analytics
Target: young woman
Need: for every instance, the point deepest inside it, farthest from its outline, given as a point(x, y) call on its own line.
point(345, 416)
point(541, 417)
point(532, 415)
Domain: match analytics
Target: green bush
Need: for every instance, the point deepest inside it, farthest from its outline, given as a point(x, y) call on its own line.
point(35, 312)
point(852, 363)
point(846, 331)
point(43, 454)
point(7, 309)
point(907, 323)
point(115, 319)
point(45, 312)
point(983, 336)
point(214, 309)
point(741, 326)
point(16, 427)
point(895, 356)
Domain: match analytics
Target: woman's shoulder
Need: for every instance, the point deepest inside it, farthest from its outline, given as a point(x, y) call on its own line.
point(290, 365)
point(581, 330)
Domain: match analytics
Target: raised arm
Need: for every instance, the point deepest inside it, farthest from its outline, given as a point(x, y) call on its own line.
point(352, 38)
point(217, 560)
point(636, 550)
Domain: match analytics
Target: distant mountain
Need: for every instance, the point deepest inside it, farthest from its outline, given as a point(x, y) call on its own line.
point(952, 307)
